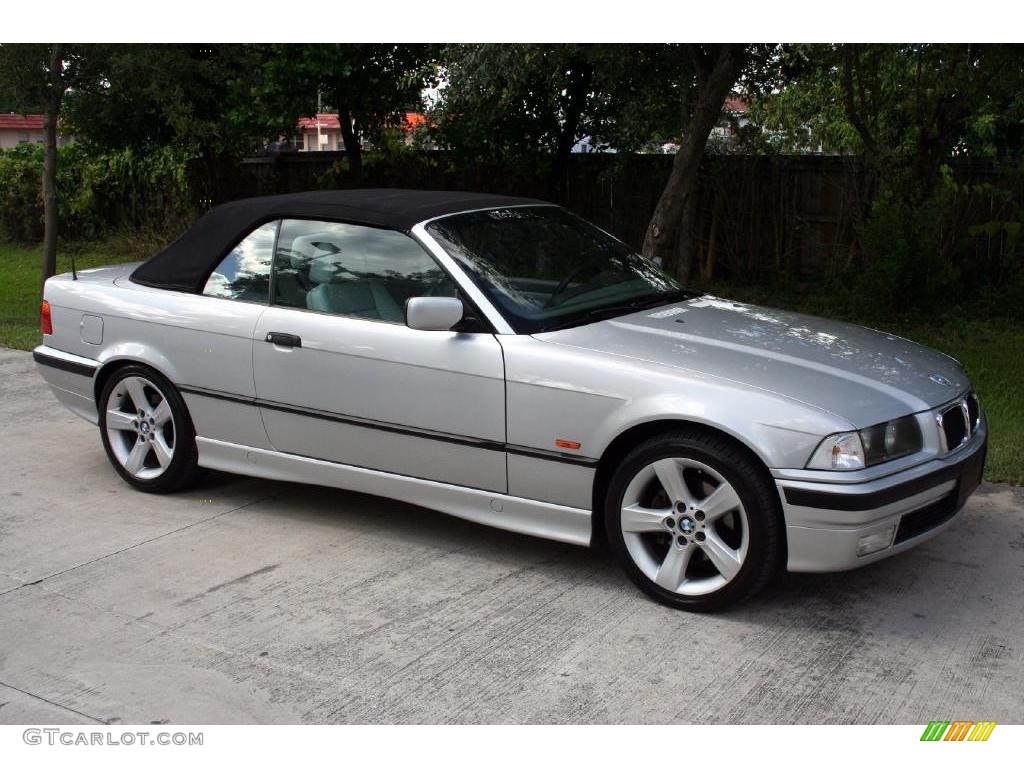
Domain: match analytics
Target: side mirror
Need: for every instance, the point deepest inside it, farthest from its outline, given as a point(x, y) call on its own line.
point(433, 313)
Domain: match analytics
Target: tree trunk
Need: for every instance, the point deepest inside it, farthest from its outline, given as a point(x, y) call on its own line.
point(353, 150)
point(576, 98)
point(214, 191)
point(50, 215)
point(671, 231)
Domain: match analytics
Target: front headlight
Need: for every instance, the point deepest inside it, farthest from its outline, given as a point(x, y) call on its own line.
point(855, 450)
point(891, 440)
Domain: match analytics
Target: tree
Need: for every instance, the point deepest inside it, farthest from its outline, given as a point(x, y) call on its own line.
point(200, 99)
point(532, 103)
point(910, 107)
point(912, 113)
point(371, 85)
point(671, 233)
point(535, 102)
point(36, 77)
point(516, 102)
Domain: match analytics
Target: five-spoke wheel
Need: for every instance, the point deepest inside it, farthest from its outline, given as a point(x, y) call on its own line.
point(684, 526)
point(146, 430)
point(139, 427)
point(693, 520)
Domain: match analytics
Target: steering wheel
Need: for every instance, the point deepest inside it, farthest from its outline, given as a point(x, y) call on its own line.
point(590, 269)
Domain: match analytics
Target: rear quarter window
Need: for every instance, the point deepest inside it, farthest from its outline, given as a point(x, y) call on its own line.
point(244, 274)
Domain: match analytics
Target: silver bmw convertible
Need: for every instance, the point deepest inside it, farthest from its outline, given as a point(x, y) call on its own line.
point(502, 360)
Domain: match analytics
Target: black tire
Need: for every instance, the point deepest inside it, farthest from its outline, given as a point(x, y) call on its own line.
point(183, 470)
point(756, 493)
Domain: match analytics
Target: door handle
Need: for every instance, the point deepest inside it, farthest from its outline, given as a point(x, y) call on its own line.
point(283, 339)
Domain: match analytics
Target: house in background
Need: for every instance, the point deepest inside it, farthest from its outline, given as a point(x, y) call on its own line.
point(322, 133)
point(734, 118)
point(25, 129)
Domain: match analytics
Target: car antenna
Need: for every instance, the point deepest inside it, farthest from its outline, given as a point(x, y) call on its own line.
point(74, 272)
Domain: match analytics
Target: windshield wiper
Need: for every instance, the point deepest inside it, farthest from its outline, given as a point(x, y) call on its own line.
point(623, 308)
point(668, 297)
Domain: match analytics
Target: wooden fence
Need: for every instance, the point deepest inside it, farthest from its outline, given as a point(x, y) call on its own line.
point(760, 215)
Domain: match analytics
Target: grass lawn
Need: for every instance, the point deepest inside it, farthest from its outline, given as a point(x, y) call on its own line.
point(991, 350)
point(19, 280)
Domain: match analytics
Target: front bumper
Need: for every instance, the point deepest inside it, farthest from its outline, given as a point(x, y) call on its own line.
point(827, 522)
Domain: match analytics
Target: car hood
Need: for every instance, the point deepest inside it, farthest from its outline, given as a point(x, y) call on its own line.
point(858, 374)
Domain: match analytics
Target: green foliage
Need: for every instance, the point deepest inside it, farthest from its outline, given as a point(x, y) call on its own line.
point(371, 83)
point(506, 101)
point(910, 111)
point(197, 98)
point(97, 191)
point(903, 246)
point(914, 105)
point(148, 190)
point(924, 251)
point(21, 199)
point(511, 101)
point(24, 78)
point(520, 101)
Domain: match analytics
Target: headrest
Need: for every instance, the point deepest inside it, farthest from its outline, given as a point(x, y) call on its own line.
point(305, 248)
point(327, 268)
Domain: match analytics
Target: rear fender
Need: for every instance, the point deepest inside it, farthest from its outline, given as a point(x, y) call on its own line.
point(127, 352)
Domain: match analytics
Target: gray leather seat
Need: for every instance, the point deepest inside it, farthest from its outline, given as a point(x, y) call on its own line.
point(361, 298)
point(349, 295)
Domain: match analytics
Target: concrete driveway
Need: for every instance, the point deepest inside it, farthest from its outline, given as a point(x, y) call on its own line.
point(252, 601)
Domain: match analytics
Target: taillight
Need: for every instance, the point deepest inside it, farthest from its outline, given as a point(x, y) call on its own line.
point(45, 321)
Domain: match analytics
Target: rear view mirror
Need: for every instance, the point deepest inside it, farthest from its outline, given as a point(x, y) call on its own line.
point(433, 313)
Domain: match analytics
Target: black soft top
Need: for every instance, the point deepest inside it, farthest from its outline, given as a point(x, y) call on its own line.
point(186, 263)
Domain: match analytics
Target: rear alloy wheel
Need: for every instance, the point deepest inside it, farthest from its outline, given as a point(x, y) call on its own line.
point(147, 432)
point(693, 521)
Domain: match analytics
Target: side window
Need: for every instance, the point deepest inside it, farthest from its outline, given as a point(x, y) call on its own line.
point(345, 269)
point(244, 274)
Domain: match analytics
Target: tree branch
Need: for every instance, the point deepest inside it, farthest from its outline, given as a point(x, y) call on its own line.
point(852, 113)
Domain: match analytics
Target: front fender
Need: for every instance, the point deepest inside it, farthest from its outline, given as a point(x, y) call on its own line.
point(561, 392)
point(780, 432)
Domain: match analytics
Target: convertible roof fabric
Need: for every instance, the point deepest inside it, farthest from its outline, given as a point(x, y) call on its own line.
point(186, 263)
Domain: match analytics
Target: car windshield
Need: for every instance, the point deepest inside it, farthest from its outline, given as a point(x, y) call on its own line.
point(545, 268)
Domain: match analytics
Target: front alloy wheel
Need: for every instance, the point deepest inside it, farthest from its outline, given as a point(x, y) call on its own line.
point(693, 520)
point(684, 526)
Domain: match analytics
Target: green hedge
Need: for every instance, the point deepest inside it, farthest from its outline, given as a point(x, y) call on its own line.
point(21, 197)
point(957, 245)
point(97, 192)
